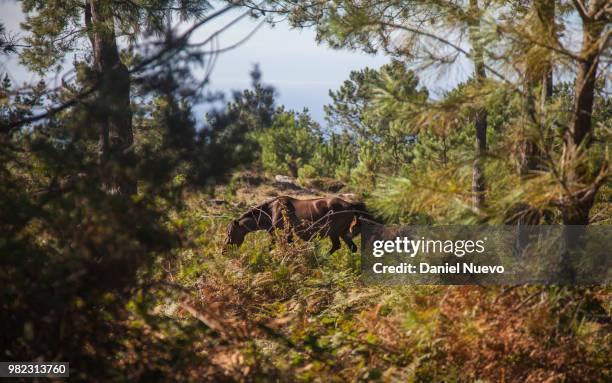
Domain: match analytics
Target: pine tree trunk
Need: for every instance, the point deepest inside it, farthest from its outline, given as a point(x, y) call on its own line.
point(578, 206)
point(576, 211)
point(546, 13)
point(113, 115)
point(530, 153)
point(478, 177)
point(480, 118)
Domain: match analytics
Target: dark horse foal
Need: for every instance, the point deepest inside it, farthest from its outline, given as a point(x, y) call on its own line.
point(331, 217)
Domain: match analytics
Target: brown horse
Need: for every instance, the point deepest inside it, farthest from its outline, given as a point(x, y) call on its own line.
point(324, 217)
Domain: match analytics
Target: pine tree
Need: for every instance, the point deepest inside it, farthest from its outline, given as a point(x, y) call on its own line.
point(56, 29)
point(364, 107)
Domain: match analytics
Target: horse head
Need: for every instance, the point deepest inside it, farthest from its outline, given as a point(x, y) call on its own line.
point(235, 234)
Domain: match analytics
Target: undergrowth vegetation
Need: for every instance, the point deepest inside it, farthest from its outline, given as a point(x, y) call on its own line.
point(291, 313)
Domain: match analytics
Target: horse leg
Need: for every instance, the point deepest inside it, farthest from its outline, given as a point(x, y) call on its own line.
point(287, 235)
point(349, 242)
point(335, 244)
point(278, 222)
point(272, 239)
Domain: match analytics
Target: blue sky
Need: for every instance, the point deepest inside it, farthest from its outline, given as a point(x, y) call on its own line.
point(301, 71)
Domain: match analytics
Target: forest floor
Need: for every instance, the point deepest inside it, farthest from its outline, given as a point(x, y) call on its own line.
point(294, 314)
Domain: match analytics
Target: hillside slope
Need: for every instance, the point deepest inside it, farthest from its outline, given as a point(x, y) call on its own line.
point(294, 314)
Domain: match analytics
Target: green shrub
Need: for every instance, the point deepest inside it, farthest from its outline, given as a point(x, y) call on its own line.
point(307, 172)
point(289, 143)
